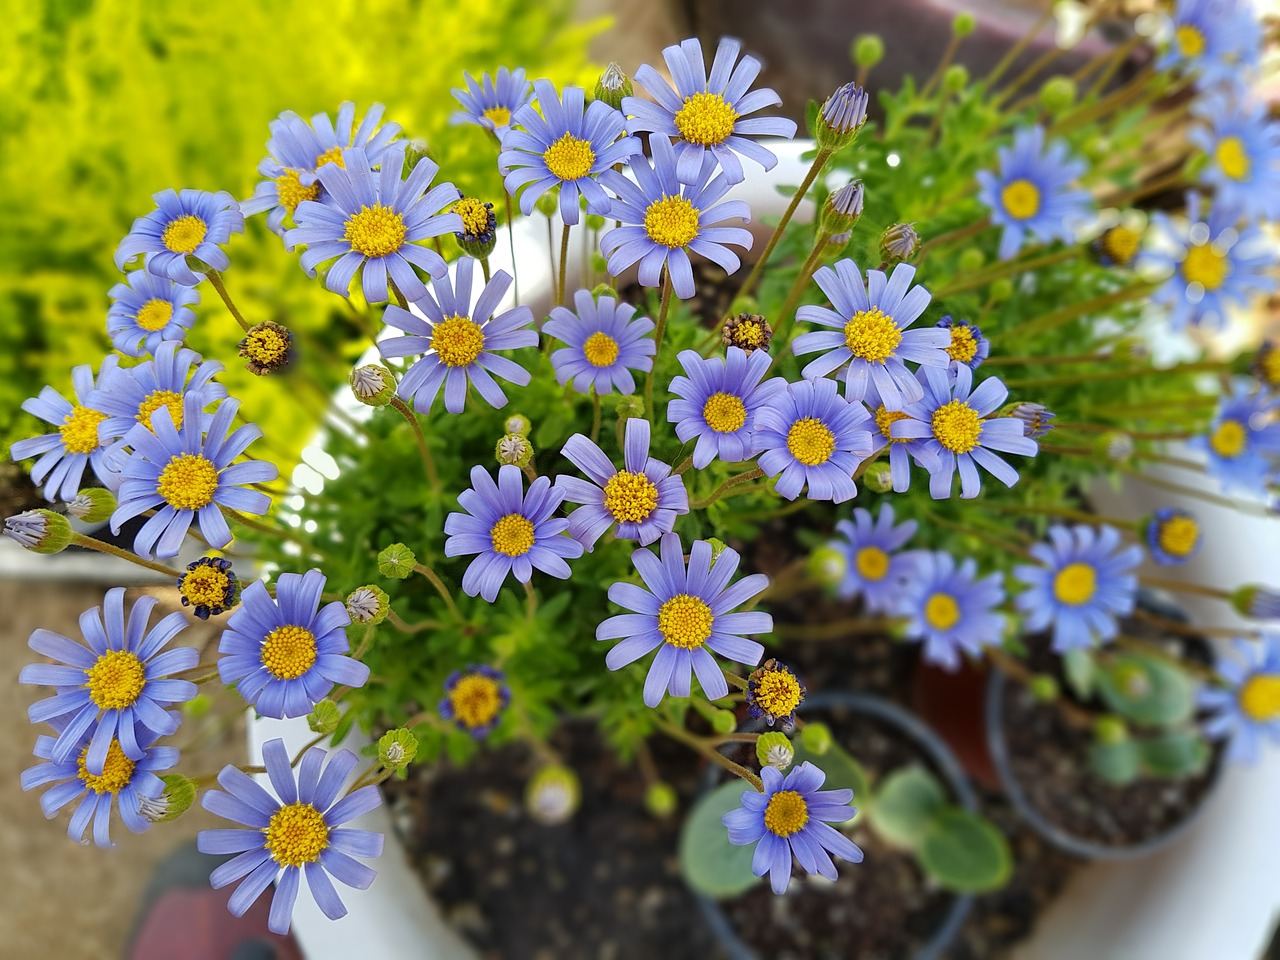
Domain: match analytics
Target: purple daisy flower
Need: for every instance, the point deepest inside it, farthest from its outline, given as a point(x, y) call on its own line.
point(708, 114)
point(1247, 709)
point(643, 499)
point(787, 819)
point(811, 435)
point(193, 223)
point(474, 699)
point(876, 569)
point(120, 681)
point(604, 341)
point(1243, 148)
point(718, 401)
point(1173, 536)
point(285, 654)
point(870, 322)
point(458, 341)
point(189, 475)
point(1218, 41)
point(687, 614)
point(968, 345)
point(901, 450)
point(664, 219)
point(511, 531)
point(299, 830)
point(953, 426)
point(949, 608)
point(147, 310)
point(1243, 440)
point(569, 144)
point(491, 102)
point(374, 223)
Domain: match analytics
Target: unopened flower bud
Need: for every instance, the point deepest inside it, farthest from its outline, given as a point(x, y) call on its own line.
point(1256, 602)
point(963, 24)
point(841, 117)
point(843, 209)
point(94, 505)
point(368, 604)
point(266, 348)
point(1057, 95)
point(514, 448)
point(816, 738)
point(41, 531)
point(613, 85)
point(1110, 729)
point(1037, 419)
point(396, 561)
point(747, 331)
point(517, 423)
point(1116, 446)
point(396, 749)
point(1001, 290)
point(1044, 687)
point(553, 795)
point(324, 717)
point(373, 385)
point(774, 749)
point(628, 407)
point(197, 707)
point(661, 799)
point(415, 152)
point(956, 78)
point(173, 801)
point(828, 565)
point(878, 477)
point(1132, 350)
point(717, 547)
point(547, 204)
point(899, 242)
point(971, 260)
point(868, 50)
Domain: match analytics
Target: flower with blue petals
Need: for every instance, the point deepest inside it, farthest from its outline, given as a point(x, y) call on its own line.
point(810, 435)
point(708, 115)
point(876, 566)
point(664, 220)
point(284, 654)
point(187, 475)
point(603, 341)
point(510, 531)
point(119, 688)
point(190, 223)
point(643, 499)
point(1173, 536)
point(1031, 195)
point(569, 144)
point(949, 608)
point(785, 821)
point(687, 614)
point(1082, 582)
point(474, 699)
point(968, 345)
point(1217, 41)
point(492, 101)
point(299, 830)
point(1243, 441)
point(1246, 710)
point(1243, 148)
point(718, 400)
point(902, 450)
point(870, 332)
point(375, 222)
point(458, 341)
point(147, 310)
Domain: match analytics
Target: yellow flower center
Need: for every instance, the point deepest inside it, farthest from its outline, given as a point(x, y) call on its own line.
point(787, 813)
point(498, 116)
point(671, 221)
point(872, 335)
point(941, 611)
point(205, 586)
point(886, 419)
point(1190, 40)
point(116, 680)
point(811, 441)
point(1205, 266)
point(375, 231)
point(188, 482)
point(1075, 584)
point(184, 234)
point(778, 692)
point(706, 119)
point(79, 430)
point(748, 334)
point(964, 346)
point(724, 412)
point(956, 426)
point(117, 770)
point(332, 155)
point(601, 350)
point(1260, 697)
point(1228, 439)
point(1269, 366)
point(154, 315)
point(291, 192)
point(474, 214)
point(512, 535)
point(1232, 158)
point(476, 700)
point(296, 835)
point(267, 345)
point(1121, 244)
point(157, 399)
point(685, 621)
point(1178, 536)
point(569, 158)
point(1021, 199)
point(457, 340)
point(872, 563)
point(289, 651)
point(630, 497)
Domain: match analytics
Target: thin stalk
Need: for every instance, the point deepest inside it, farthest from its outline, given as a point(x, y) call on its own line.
point(1182, 586)
point(1183, 490)
point(1011, 668)
point(981, 535)
point(1015, 51)
point(658, 334)
point(215, 279)
point(595, 414)
point(511, 241)
point(441, 589)
point(786, 312)
point(982, 277)
point(428, 462)
point(531, 601)
point(936, 77)
point(484, 268)
point(90, 543)
point(313, 742)
point(725, 487)
point(705, 748)
point(564, 265)
point(395, 292)
point(1125, 374)
point(951, 236)
point(1057, 318)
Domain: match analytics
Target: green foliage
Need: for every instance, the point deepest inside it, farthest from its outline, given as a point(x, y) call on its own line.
point(905, 805)
point(1175, 754)
point(711, 864)
point(1116, 761)
point(963, 852)
point(842, 770)
point(1146, 690)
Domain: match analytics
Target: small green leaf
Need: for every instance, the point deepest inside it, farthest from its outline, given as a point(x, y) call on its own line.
point(963, 852)
point(711, 864)
point(905, 804)
point(342, 729)
point(1081, 670)
point(1117, 762)
point(1175, 754)
point(843, 772)
point(1146, 690)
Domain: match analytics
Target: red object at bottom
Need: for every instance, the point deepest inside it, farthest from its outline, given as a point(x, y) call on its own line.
point(954, 704)
point(196, 925)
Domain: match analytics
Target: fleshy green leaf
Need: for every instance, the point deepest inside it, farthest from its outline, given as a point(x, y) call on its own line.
point(964, 852)
point(1146, 690)
point(1081, 671)
point(1175, 754)
point(905, 805)
point(711, 864)
point(1116, 762)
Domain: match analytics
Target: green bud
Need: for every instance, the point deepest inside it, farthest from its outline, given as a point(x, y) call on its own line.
point(598, 263)
point(841, 117)
point(548, 203)
point(514, 448)
point(828, 564)
point(1115, 446)
point(1132, 680)
point(175, 799)
point(553, 795)
point(415, 152)
point(878, 477)
point(661, 799)
point(1001, 290)
point(816, 738)
point(40, 531)
point(94, 505)
point(722, 721)
point(1256, 602)
point(1110, 729)
point(899, 242)
point(717, 547)
point(368, 604)
point(594, 221)
point(1132, 350)
point(1058, 94)
point(1044, 687)
point(603, 290)
point(396, 749)
point(197, 707)
point(843, 209)
point(396, 561)
point(774, 749)
point(323, 717)
point(517, 423)
point(628, 407)
point(613, 85)
point(971, 260)
point(868, 50)
point(373, 385)
point(956, 78)
point(963, 24)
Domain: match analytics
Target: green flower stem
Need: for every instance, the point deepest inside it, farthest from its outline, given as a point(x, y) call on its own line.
point(1088, 453)
point(1131, 434)
point(725, 487)
point(1066, 513)
point(595, 414)
point(1113, 62)
point(365, 641)
point(1175, 180)
point(395, 292)
point(1198, 670)
point(1005, 269)
point(658, 335)
point(738, 738)
point(428, 462)
point(313, 742)
point(484, 268)
point(936, 77)
point(1021, 673)
point(1135, 93)
point(1183, 490)
point(215, 279)
point(1193, 629)
point(564, 264)
point(734, 679)
point(683, 465)
point(551, 254)
point(1181, 586)
point(89, 543)
point(786, 313)
point(1012, 361)
point(530, 601)
point(1012, 54)
point(1013, 548)
point(411, 628)
point(936, 123)
point(707, 749)
point(1057, 318)
point(952, 236)
point(441, 589)
point(277, 531)
point(511, 241)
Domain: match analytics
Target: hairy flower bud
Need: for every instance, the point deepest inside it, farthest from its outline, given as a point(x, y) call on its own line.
point(323, 717)
point(94, 505)
point(373, 384)
point(396, 750)
point(841, 117)
point(899, 242)
point(517, 423)
point(368, 604)
point(843, 209)
point(661, 799)
point(514, 448)
point(774, 749)
point(41, 531)
point(878, 477)
point(553, 795)
point(867, 50)
point(828, 564)
point(613, 85)
point(396, 561)
point(173, 801)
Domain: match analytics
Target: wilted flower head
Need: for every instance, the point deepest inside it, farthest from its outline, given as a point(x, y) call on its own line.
point(747, 331)
point(267, 347)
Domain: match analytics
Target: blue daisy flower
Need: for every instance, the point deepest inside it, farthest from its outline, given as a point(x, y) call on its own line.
point(296, 149)
point(1173, 536)
point(707, 115)
point(510, 531)
point(664, 220)
point(285, 654)
point(299, 830)
point(875, 568)
point(118, 686)
point(189, 475)
point(1215, 40)
point(474, 699)
point(374, 222)
point(569, 144)
point(458, 341)
point(968, 345)
point(1243, 439)
point(687, 614)
point(1031, 195)
point(492, 102)
point(193, 223)
point(869, 335)
point(147, 310)
point(604, 341)
point(1243, 147)
point(812, 436)
point(76, 445)
point(950, 609)
point(718, 401)
point(785, 821)
point(953, 425)
point(643, 499)
point(124, 786)
point(1083, 582)
point(1247, 710)
point(902, 450)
